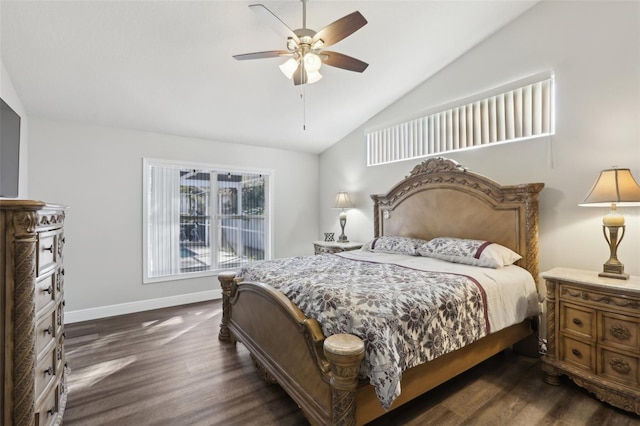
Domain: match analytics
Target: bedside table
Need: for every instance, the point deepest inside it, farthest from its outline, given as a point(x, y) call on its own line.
point(593, 334)
point(324, 247)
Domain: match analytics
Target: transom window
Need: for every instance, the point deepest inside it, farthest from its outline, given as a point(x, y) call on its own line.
point(201, 219)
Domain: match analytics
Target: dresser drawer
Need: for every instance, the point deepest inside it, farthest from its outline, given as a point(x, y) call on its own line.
point(59, 320)
point(619, 367)
point(47, 251)
point(578, 353)
point(578, 320)
point(46, 333)
point(47, 411)
point(46, 370)
point(59, 281)
point(45, 292)
point(619, 331)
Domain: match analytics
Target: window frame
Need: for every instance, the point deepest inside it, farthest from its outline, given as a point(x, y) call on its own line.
point(147, 163)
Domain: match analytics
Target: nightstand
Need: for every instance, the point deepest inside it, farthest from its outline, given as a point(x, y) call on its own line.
point(593, 334)
point(324, 247)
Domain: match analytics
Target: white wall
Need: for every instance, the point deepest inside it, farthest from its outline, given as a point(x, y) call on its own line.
point(594, 50)
point(97, 172)
point(10, 96)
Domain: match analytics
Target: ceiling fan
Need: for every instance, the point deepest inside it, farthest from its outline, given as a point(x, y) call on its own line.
point(305, 46)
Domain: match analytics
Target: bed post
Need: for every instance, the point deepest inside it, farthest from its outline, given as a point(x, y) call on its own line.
point(344, 352)
point(226, 282)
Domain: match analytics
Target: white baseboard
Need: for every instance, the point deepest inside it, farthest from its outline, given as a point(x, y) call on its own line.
point(142, 305)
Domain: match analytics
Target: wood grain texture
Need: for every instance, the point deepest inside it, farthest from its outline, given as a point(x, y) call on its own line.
point(167, 367)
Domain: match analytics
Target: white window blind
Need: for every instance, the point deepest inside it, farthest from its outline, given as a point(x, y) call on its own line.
point(201, 219)
point(519, 113)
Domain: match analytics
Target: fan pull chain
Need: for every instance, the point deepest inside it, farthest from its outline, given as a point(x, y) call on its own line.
point(303, 97)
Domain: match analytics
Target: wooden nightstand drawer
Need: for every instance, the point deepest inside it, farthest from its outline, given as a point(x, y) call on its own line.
point(578, 320)
point(600, 299)
point(619, 367)
point(578, 353)
point(329, 247)
point(619, 331)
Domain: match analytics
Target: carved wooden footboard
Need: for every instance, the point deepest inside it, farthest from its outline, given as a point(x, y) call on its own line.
point(319, 374)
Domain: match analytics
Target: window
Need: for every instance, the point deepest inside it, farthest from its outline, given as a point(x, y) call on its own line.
point(518, 111)
point(201, 219)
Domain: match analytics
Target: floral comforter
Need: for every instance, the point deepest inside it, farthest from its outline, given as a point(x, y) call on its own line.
point(405, 316)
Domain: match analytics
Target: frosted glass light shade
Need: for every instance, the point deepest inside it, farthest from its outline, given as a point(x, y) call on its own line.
point(313, 77)
point(312, 62)
point(289, 67)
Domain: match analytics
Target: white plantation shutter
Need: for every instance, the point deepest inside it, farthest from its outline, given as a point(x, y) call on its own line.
point(516, 114)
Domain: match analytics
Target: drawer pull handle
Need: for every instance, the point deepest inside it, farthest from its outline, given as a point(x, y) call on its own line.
point(48, 290)
point(49, 371)
point(48, 330)
point(620, 365)
point(50, 248)
point(576, 352)
point(620, 332)
point(577, 321)
point(51, 411)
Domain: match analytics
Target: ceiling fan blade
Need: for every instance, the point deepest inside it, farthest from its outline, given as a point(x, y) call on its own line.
point(274, 22)
point(340, 29)
point(262, 55)
point(299, 76)
point(339, 60)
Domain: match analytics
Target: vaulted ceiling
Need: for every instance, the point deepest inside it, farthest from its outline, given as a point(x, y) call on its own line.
point(167, 66)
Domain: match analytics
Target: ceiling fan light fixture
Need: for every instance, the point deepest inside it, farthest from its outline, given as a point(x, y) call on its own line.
point(292, 45)
point(289, 67)
point(312, 62)
point(313, 76)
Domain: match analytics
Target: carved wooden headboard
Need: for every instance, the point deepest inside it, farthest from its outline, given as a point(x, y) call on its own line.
point(440, 198)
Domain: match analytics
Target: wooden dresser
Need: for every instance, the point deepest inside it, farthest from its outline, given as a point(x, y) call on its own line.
point(32, 322)
point(593, 334)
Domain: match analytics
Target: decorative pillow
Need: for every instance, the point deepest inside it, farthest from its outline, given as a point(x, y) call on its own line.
point(398, 245)
point(471, 252)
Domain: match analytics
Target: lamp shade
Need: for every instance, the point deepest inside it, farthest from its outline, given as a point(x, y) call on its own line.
point(614, 186)
point(343, 201)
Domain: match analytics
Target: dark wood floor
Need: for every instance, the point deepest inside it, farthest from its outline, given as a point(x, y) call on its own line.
point(167, 367)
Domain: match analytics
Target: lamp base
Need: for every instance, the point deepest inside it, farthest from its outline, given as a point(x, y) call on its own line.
point(614, 275)
point(615, 270)
point(343, 239)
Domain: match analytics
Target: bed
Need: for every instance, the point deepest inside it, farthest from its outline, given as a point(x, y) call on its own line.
point(438, 200)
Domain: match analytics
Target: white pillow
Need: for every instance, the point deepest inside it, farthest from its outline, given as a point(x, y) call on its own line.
point(470, 252)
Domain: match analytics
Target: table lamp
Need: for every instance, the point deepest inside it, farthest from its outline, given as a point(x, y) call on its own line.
point(343, 202)
point(614, 188)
